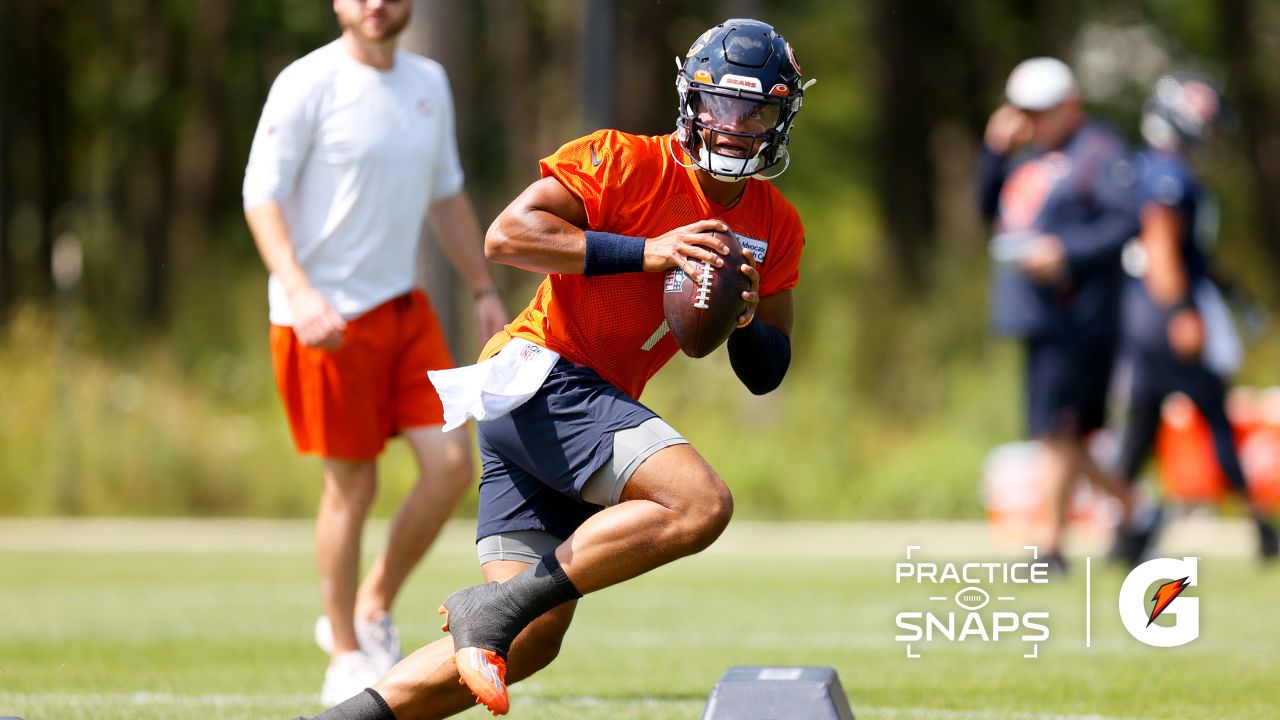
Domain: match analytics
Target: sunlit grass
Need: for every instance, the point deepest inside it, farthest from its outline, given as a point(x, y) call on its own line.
point(95, 631)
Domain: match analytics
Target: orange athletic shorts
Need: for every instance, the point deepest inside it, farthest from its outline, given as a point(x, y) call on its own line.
point(346, 403)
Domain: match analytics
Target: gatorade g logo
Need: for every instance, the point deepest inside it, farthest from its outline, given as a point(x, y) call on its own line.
point(1139, 609)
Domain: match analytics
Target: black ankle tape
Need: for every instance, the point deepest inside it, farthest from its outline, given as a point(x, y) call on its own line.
point(489, 616)
point(552, 564)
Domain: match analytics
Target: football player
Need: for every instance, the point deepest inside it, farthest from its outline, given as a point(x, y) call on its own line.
point(582, 485)
point(1166, 329)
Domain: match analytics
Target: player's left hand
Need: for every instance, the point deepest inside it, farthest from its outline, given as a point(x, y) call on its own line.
point(1045, 260)
point(752, 296)
point(491, 316)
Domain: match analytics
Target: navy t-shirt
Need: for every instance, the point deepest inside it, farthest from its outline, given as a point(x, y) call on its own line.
point(1166, 179)
point(1084, 193)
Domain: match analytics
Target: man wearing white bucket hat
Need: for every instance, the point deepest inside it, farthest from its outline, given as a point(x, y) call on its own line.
point(1059, 189)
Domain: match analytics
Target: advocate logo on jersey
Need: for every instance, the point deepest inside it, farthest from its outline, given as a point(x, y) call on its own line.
point(757, 247)
point(1167, 601)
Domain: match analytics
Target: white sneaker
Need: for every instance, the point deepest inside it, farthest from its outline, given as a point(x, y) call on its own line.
point(379, 640)
point(348, 675)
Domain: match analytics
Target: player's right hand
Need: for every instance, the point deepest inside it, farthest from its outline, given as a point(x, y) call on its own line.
point(1008, 129)
point(315, 322)
point(1186, 335)
point(685, 246)
point(750, 297)
point(1044, 260)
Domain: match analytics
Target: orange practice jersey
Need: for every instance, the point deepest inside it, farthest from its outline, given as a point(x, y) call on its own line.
point(631, 185)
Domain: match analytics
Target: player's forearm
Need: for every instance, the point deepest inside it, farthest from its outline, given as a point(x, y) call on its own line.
point(271, 234)
point(536, 240)
point(458, 232)
point(759, 355)
point(1100, 241)
point(1166, 278)
point(540, 231)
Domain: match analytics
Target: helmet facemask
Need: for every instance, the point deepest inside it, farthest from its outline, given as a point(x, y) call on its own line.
point(733, 135)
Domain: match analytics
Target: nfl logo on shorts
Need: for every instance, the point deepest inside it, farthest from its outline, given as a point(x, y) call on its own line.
point(778, 693)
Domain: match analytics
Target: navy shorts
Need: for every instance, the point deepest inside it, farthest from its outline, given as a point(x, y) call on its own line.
point(1067, 383)
point(536, 459)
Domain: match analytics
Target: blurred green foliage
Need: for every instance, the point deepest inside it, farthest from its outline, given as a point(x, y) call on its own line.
point(147, 387)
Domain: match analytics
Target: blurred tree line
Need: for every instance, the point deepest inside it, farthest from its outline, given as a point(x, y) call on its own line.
point(125, 126)
point(128, 122)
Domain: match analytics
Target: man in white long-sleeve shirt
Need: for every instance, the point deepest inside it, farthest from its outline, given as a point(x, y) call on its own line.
point(355, 149)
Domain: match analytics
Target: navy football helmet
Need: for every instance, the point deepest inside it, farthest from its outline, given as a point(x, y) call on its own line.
point(740, 89)
point(1182, 110)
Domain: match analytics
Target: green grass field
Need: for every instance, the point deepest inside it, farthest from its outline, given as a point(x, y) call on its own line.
point(205, 619)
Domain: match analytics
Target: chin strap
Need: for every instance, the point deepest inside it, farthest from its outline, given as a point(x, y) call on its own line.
point(672, 151)
point(786, 163)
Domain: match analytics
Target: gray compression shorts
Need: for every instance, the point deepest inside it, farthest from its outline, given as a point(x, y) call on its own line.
point(631, 447)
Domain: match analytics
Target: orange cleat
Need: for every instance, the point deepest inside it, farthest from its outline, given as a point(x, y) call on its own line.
point(484, 672)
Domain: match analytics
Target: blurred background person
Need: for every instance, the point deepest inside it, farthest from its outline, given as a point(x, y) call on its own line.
point(356, 140)
point(1059, 188)
point(139, 165)
point(1177, 332)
